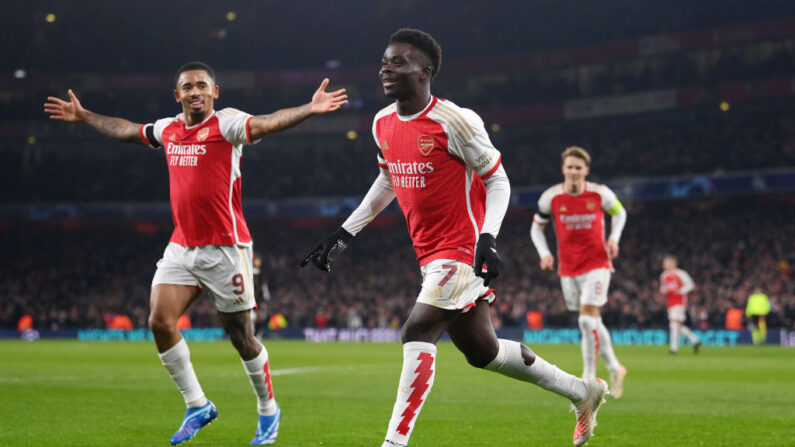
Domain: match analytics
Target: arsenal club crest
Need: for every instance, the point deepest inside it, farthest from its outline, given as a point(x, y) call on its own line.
point(425, 144)
point(202, 135)
point(591, 205)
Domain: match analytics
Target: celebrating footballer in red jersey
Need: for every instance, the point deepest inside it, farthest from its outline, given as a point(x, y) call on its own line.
point(211, 247)
point(577, 209)
point(437, 160)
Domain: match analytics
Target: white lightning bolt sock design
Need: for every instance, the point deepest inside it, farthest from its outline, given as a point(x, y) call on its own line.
point(416, 380)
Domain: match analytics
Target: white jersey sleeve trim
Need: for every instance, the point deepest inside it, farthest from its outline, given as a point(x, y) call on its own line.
point(544, 212)
point(498, 197)
point(609, 200)
point(617, 222)
point(381, 193)
point(234, 126)
point(687, 282)
point(467, 137)
point(539, 239)
point(608, 196)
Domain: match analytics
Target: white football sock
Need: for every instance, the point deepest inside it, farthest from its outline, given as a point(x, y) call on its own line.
point(177, 362)
point(606, 347)
point(589, 343)
point(689, 334)
point(259, 374)
point(509, 361)
point(416, 380)
point(673, 328)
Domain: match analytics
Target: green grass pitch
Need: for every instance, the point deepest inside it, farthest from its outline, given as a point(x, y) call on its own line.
point(70, 393)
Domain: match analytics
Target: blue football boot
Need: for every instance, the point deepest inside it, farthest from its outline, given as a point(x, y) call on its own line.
point(195, 418)
point(267, 429)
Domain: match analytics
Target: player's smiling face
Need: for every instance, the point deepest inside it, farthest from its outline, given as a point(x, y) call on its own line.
point(197, 92)
point(574, 170)
point(404, 71)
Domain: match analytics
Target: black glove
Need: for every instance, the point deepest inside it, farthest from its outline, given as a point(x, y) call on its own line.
point(328, 249)
point(486, 253)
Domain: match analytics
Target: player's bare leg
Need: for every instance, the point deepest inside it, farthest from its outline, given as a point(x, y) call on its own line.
point(423, 328)
point(168, 302)
point(473, 334)
point(255, 361)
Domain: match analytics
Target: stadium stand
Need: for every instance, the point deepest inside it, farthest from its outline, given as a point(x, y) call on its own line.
point(69, 275)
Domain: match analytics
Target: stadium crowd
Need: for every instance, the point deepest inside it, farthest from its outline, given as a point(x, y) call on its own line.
point(500, 87)
point(70, 275)
point(83, 168)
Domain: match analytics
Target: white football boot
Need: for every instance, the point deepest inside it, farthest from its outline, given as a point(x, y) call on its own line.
point(617, 382)
point(586, 410)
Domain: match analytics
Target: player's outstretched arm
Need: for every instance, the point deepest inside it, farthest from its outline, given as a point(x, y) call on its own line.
point(322, 102)
point(73, 112)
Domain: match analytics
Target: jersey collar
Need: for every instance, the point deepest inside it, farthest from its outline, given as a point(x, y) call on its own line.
point(430, 105)
point(181, 117)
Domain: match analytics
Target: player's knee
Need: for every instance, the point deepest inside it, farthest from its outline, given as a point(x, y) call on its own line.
point(417, 331)
point(480, 359)
point(410, 332)
point(160, 325)
point(591, 311)
point(482, 354)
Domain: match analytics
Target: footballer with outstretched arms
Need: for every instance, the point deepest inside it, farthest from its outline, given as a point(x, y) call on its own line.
point(437, 160)
point(675, 284)
point(577, 207)
point(211, 247)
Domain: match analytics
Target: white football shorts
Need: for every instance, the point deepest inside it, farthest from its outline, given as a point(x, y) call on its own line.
point(589, 288)
point(677, 313)
point(224, 271)
point(452, 285)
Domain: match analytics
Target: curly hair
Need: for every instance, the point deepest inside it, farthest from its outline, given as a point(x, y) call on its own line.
point(422, 41)
point(195, 66)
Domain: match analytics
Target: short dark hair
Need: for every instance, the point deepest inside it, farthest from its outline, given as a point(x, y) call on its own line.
point(423, 42)
point(195, 66)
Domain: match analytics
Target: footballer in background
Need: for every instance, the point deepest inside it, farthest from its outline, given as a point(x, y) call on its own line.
point(577, 209)
point(676, 283)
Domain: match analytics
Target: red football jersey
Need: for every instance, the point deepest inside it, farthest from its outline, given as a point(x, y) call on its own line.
point(579, 226)
point(204, 176)
point(436, 160)
point(675, 284)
